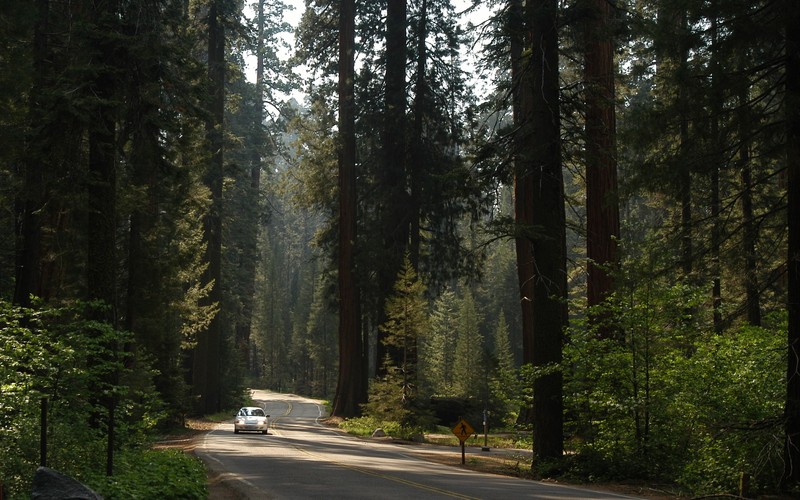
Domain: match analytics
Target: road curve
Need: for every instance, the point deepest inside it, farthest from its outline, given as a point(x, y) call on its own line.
point(300, 458)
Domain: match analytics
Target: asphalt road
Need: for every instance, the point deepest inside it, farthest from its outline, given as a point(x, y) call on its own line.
point(300, 458)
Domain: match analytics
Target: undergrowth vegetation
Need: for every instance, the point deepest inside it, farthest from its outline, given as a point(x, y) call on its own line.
point(68, 377)
point(665, 401)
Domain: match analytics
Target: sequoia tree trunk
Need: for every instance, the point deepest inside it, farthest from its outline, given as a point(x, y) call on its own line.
point(351, 389)
point(602, 208)
point(791, 15)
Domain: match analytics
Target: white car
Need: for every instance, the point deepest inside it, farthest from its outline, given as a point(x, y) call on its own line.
point(251, 418)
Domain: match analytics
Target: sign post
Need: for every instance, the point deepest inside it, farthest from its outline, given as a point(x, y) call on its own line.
point(485, 430)
point(463, 430)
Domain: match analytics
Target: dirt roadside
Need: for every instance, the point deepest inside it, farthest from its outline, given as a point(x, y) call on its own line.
point(188, 440)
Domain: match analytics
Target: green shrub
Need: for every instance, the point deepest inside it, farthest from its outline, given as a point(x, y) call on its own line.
point(672, 401)
point(154, 474)
point(54, 355)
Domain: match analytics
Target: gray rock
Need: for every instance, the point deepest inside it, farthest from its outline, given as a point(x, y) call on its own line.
point(49, 484)
point(378, 433)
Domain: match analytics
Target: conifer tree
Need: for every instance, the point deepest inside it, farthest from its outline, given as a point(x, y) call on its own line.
point(504, 389)
point(469, 363)
point(396, 394)
point(437, 357)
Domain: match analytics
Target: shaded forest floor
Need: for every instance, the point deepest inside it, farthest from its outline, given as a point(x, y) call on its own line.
point(499, 461)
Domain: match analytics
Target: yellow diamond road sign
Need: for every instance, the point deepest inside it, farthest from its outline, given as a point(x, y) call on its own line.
point(463, 430)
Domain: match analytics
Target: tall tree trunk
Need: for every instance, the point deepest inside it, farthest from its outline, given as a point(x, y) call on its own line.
point(685, 174)
point(147, 289)
point(207, 363)
point(251, 219)
point(351, 389)
point(417, 136)
point(716, 164)
point(101, 253)
point(31, 203)
point(144, 275)
point(602, 208)
point(791, 15)
point(543, 165)
point(523, 181)
point(394, 219)
point(672, 55)
point(750, 233)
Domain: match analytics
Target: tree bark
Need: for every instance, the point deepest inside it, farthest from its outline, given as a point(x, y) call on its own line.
point(523, 183)
point(717, 98)
point(685, 174)
point(206, 369)
point(101, 259)
point(31, 203)
point(417, 137)
point(549, 247)
point(602, 207)
point(144, 272)
point(791, 15)
point(393, 216)
point(101, 254)
point(750, 234)
point(351, 389)
point(541, 198)
point(250, 220)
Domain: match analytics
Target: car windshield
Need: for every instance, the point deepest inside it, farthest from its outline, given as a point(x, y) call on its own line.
point(253, 412)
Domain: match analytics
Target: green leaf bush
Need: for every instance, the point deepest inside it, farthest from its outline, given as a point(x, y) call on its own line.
point(80, 368)
point(671, 401)
point(154, 474)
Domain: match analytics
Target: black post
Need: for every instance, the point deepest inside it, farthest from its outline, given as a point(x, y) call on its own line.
point(43, 433)
point(111, 437)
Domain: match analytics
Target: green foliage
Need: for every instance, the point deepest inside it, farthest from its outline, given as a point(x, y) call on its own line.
point(395, 396)
point(78, 368)
point(153, 474)
point(504, 386)
point(389, 397)
point(438, 347)
point(365, 426)
point(671, 402)
point(733, 394)
point(469, 368)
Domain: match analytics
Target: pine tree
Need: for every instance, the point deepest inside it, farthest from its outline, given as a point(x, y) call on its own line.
point(505, 389)
point(396, 394)
point(469, 363)
point(437, 357)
